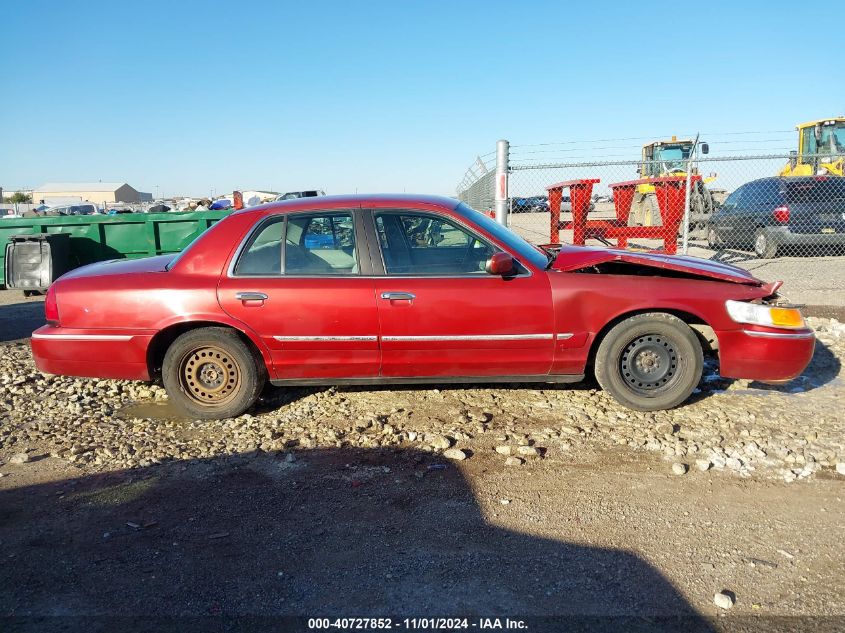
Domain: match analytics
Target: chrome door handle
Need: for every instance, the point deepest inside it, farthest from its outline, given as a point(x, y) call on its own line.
point(398, 296)
point(250, 296)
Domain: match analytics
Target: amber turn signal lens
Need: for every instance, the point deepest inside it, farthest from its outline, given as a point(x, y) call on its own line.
point(786, 317)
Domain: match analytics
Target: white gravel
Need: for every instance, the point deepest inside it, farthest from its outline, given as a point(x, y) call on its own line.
point(790, 432)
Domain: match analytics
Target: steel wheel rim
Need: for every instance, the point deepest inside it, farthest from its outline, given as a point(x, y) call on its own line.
point(760, 244)
point(649, 364)
point(209, 375)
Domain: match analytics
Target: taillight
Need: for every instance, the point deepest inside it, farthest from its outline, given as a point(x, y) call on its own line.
point(51, 308)
point(781, 214)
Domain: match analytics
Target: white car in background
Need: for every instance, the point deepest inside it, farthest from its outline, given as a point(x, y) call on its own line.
point(77, 208)
point(293, 195)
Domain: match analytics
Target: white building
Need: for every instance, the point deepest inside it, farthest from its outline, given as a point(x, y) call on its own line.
point(97, 192)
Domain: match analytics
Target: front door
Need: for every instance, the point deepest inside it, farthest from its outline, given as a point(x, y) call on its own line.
point(442, 314)
point(298, 283)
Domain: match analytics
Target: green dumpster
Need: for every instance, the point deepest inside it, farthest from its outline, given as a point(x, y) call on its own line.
point(96, 238)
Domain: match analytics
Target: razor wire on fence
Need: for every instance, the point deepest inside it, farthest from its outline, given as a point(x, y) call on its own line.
point(477, 186)
point(762, 206)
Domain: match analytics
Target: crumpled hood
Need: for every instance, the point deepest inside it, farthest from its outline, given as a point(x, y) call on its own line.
point(573, 258)
point(122, 267)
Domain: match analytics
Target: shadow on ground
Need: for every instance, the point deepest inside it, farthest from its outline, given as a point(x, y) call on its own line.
point(334, 533)
point(18, 320)
point(823, 369)
point(731, 256)
point(273, 398)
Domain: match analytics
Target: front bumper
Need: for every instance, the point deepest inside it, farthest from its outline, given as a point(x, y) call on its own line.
point(765, 354)
point(91, 353)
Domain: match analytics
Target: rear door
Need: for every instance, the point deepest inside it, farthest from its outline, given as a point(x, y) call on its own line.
point(302, 282)
point(441, 314)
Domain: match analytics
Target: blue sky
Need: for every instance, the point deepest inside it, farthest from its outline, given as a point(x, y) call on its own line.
point(380, 96)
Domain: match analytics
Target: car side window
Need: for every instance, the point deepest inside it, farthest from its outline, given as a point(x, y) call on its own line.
point(301, 244)
point(759, 192)
point(425, 244)
point(263, 254)
point(770, 193)
point(809, 140)
point(750, 196)
point(321, 244)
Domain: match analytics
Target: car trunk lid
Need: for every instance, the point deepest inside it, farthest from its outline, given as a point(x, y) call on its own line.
point(122, 267)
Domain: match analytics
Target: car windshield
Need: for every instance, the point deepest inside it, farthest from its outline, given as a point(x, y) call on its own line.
point(514, 242)
point(673, 153)
point(673, 157)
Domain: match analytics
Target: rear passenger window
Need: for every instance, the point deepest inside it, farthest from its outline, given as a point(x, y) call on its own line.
point(263, 255)
point(304, 245)
point(321, 245)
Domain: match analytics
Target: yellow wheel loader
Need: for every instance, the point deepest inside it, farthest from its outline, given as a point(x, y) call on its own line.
point(669, 158)
point(821, 149)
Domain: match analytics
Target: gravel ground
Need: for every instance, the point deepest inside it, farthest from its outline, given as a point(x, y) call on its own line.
point(787, 432)
point(522, 500)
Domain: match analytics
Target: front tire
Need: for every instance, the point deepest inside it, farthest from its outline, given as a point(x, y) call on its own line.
point(650, 362)
point(209, 373)
point(713, 240)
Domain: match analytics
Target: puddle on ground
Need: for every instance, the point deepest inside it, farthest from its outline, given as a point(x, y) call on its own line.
point(155, 410)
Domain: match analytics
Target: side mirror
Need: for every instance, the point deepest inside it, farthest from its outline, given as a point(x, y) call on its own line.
point(500, 264)
point(705, 148)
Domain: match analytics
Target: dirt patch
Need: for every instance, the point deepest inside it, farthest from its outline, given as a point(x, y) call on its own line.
point(352, 532)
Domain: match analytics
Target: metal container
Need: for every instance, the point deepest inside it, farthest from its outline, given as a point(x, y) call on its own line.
point(95, 238)
point(33, 262)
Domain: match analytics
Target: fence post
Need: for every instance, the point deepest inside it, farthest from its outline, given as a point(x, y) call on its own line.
point(501, 193)
point(687, 196)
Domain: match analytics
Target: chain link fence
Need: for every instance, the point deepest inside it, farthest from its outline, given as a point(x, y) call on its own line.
point(477, 186)
point(740, 209)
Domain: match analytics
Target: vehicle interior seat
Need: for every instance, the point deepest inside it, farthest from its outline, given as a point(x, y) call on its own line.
point(319, 261)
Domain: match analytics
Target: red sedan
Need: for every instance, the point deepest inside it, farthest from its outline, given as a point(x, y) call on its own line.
point(409, 289)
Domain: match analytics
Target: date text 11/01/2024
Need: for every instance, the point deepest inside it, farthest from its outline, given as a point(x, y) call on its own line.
point(416, 623)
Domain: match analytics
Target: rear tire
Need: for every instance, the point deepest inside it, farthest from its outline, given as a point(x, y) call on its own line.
point(650, 362)
point(209, 374)
point(764, 246)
